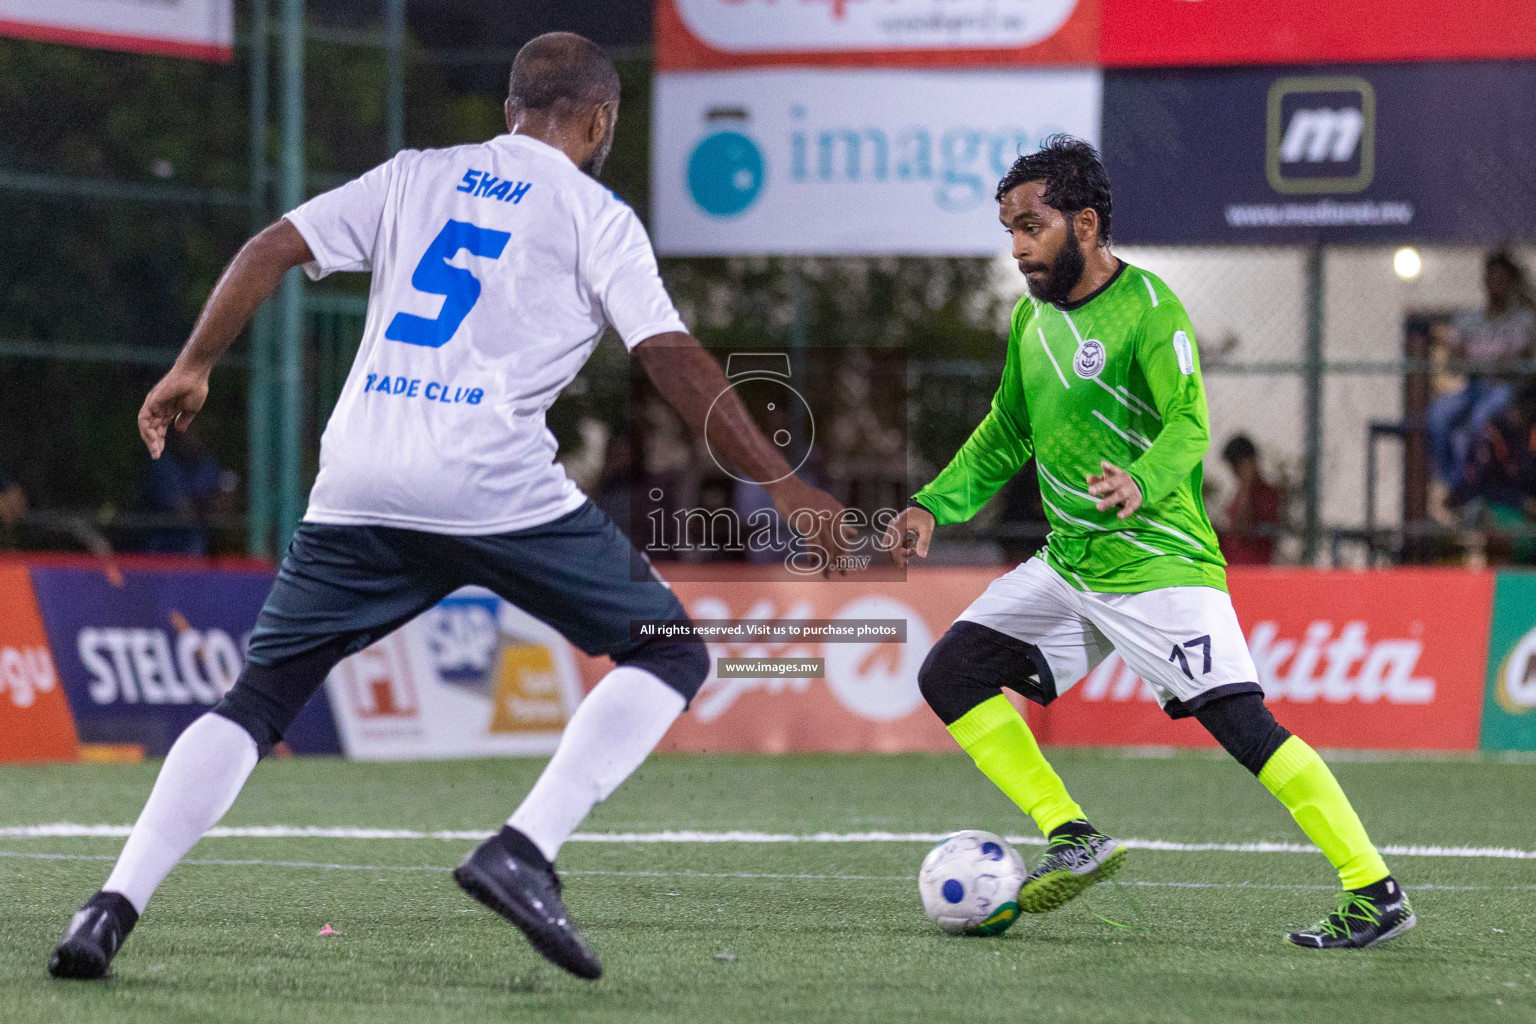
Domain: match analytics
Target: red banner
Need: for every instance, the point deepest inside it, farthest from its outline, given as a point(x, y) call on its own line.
point(1363, 660)
point(35, 723)
point(1367, 660)
point(706, 34)
point(1176, 33)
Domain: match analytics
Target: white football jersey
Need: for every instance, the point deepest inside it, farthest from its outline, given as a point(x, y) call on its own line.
point(496, 268)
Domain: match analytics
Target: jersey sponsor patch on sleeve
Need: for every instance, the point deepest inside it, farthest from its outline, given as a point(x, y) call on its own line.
point(1185, 352)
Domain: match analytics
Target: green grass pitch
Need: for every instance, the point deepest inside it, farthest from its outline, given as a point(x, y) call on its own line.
point(776, 932)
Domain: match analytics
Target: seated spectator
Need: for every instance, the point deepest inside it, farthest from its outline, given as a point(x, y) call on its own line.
point(1252, 517)
point(13, 509)
point(1501, 472)
point(184, 487)
point(1502, 334)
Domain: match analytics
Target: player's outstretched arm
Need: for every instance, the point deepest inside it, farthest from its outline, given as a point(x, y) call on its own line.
point(692, 382)
point(249, 279)
point(908, 535)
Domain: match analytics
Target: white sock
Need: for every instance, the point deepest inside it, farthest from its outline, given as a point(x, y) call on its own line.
point(199, 781)
point(613, 730)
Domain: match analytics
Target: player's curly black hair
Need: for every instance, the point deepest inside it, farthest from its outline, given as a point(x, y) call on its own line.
point(1074, 177)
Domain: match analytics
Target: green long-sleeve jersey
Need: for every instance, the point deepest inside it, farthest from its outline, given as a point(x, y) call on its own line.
point(1113, 378)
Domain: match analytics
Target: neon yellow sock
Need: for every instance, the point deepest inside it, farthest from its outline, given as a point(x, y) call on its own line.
point(1300, 780)
point(995, 736)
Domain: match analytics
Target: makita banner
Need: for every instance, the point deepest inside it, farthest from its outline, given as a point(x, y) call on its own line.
point(142, 652)
point(849, 161)
point(1358, 660)
point(1362, 660)
point(704, 34)
point(203, 29)
point(1355, 153)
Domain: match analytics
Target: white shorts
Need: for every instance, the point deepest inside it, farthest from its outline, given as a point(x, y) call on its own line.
point(1184, 641)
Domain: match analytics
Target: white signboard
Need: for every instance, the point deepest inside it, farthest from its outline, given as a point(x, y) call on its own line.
point(809, 162)
point(179, 28)
point(759, 26)
point(472, 677)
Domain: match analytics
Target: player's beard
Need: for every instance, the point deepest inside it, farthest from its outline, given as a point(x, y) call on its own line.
point(1066, 272)
point(593, 165)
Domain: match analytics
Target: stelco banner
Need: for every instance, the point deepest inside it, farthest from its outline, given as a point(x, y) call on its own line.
point(143, 653)
point(849, 161)
point(203, 29)
point(1364, 153)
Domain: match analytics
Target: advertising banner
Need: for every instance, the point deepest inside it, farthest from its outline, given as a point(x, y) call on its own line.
point(1509, 707)
point(472, 677)
point(142, 656)
point(35, 724)
point(203, 29)
point(1174, 33)
point(849, 161)
point(1361, 153)
point(705, 34)
point(1357, 660)
point(866, 697)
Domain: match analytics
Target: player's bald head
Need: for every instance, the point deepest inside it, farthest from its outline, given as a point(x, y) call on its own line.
point(561, 73)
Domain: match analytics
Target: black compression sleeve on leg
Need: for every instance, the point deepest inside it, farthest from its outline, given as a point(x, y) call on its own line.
point(267, 698)
point(971, 663)
point(1244, 726)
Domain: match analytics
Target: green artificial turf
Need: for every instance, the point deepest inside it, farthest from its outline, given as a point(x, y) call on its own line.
point(775, 932)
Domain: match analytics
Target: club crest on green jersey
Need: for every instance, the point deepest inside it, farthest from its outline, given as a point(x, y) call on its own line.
point(1088, 363)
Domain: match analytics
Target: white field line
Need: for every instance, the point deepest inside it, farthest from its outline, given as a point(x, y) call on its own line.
point(747, 875)
point(69, 830)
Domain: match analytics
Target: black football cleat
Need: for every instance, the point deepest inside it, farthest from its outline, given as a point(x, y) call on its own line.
point(1365, 917)
point(93, 937)
point(508, 874)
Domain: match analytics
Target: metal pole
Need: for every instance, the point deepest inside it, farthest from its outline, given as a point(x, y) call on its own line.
point(394, 61)
point(1312, 384)
point(258, 528)
point(291, 316)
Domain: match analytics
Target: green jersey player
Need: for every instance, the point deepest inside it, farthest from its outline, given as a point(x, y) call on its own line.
point(1102, 387)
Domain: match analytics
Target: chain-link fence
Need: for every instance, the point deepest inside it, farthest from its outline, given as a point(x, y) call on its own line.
point(1330, 361)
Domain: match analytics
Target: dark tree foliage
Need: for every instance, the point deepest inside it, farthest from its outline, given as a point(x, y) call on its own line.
point(106, 271)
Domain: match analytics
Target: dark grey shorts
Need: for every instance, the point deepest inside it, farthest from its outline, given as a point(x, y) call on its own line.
point(343, 587)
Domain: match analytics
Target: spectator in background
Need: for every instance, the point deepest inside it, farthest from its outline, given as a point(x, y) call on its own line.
point(182, 488)
point(1253, 515)
point(1498, 336)
point(13, 509)
point(1501, 471)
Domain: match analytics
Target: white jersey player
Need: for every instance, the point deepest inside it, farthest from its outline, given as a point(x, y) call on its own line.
point(496, 269)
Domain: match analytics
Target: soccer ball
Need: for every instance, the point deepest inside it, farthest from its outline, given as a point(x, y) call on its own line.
point(970, 883)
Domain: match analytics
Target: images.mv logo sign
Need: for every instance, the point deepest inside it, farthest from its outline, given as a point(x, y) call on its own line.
point(1322, 135)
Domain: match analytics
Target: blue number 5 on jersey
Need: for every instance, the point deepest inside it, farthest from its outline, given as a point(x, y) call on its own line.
point(435, 276)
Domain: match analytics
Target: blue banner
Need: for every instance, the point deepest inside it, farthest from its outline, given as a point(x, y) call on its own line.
point(140, 660)
point(1336, 153)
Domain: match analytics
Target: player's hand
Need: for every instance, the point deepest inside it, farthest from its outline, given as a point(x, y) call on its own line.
point(817, 517)
point(1115, 488)
point(174, 401)
point(908, 535)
